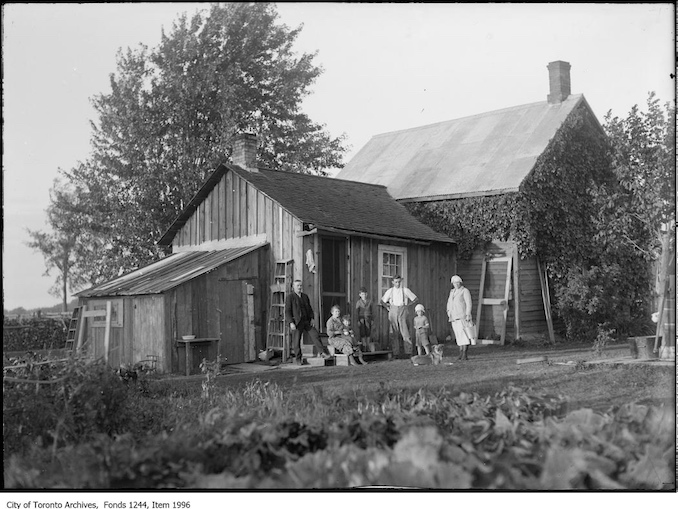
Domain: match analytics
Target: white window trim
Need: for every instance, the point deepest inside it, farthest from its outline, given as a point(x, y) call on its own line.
point(384, 248)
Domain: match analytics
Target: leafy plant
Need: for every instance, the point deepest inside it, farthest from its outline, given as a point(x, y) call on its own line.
point(33, 334)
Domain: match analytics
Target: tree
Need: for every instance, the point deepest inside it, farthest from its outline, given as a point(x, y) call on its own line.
point(644, 153)
point(169, 121)
point(58, 246)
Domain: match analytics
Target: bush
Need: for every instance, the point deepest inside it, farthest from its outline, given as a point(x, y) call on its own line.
point(60, 402)
point(33, 334)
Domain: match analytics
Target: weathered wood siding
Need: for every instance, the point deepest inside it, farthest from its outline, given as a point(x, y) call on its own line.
point(429, 268)
point(214, 305)
point(139, 333)
point(148, 330)
point(532, 316)
point(235, 208)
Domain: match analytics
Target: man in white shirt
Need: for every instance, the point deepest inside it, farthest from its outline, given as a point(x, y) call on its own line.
point(396, 299)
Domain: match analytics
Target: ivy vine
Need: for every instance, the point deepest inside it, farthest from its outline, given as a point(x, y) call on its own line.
point(556, 216)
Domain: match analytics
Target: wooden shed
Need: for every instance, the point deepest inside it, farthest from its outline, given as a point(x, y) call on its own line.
point(489, 155)
point(214, 295)
point(243, 223)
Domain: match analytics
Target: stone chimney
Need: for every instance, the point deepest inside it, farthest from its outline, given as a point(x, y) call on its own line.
point(559, 81)
point(245, 151)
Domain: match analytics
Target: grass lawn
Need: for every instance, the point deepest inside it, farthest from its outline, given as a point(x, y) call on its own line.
point(489, 370)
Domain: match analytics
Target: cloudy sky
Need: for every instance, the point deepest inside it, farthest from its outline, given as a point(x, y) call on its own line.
point(387, 67)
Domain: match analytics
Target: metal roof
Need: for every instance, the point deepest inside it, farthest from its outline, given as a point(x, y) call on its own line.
point(167, 273)
point(479, 155)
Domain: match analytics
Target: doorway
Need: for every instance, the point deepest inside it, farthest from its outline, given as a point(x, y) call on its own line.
point(334, 277)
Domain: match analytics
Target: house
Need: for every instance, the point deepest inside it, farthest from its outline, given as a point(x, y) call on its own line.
point(486, 158)
point(241, 227)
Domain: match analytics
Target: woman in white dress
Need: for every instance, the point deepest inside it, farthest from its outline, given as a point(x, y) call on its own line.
point(459, 307)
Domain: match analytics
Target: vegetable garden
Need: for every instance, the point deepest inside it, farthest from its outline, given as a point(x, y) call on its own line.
point(483, 424)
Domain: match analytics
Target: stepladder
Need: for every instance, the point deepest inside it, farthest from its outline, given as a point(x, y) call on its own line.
point(278, 334)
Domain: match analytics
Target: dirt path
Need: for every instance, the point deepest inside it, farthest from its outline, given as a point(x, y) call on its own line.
point(490, 369)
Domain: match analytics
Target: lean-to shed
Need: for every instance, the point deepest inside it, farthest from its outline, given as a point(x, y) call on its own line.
point(334, 235)
point(490, 155)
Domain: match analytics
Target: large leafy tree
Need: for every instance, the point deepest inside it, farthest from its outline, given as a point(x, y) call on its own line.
point(644, 152)
point(169, 120)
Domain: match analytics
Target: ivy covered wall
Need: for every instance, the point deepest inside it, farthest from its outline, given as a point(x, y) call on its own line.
point(556, 215)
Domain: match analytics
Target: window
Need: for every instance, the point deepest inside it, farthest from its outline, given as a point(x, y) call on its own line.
point(116, 313)
point(392, 261)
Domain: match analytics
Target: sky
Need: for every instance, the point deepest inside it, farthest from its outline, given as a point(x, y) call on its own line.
point(386, 67)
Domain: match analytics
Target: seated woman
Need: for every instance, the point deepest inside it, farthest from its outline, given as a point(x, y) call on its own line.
point(341, 342)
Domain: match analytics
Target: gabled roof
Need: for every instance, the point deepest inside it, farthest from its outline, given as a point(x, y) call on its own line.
point(484, 154)
point(167, 273)
point(353, 207)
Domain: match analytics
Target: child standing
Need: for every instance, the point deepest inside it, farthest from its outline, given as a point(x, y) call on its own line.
point(364, 309)
point(422, 327)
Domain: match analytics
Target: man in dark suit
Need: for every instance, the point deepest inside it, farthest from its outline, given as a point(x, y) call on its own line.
point(299, 314)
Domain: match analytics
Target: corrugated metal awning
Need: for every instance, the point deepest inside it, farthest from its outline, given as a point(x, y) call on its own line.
point(167, 273)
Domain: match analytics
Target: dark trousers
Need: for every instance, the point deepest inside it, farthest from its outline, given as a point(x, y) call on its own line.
point(365, 326)
point(309, 331)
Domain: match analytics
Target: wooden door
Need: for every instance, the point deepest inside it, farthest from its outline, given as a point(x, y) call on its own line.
point(232, 341)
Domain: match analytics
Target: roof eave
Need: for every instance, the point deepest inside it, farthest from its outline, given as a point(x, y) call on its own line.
point(458, 196)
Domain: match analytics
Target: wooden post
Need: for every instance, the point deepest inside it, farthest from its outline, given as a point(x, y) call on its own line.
point(107, 332)
point(81, 328)
point(507, 288)
point(248, 321)
point(516, 291)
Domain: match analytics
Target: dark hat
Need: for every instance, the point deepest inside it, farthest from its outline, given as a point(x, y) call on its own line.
point(363, 290)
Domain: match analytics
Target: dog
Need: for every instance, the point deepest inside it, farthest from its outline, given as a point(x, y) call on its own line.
point(435, 357)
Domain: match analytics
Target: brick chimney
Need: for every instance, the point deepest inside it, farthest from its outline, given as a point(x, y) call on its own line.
point(245, 151)
point(559, 81)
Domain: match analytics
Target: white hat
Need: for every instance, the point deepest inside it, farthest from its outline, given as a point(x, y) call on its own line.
point(419, 307)
point(455, 279)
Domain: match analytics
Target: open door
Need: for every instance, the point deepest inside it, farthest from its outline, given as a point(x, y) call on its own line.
point(333, 277)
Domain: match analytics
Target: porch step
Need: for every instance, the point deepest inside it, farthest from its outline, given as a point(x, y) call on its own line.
point(317, 361)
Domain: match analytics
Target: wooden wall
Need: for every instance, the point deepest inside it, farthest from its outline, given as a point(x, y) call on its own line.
point(140, 332)
point(214, 305)
point(148, 330)
point(429, 268)
point(532, 316)
point(235, 208)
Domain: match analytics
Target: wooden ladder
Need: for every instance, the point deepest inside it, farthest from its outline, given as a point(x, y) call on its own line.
point(73, 328)
point(278, 335)
point(502, 303)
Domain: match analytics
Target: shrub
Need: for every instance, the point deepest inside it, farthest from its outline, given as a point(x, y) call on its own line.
point(60, 402)
point(33, 334)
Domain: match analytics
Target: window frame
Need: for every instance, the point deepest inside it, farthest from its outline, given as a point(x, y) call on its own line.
point(389, 249)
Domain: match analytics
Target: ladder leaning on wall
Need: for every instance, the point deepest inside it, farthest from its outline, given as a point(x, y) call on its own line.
point(73, 328)
point(277, 335)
